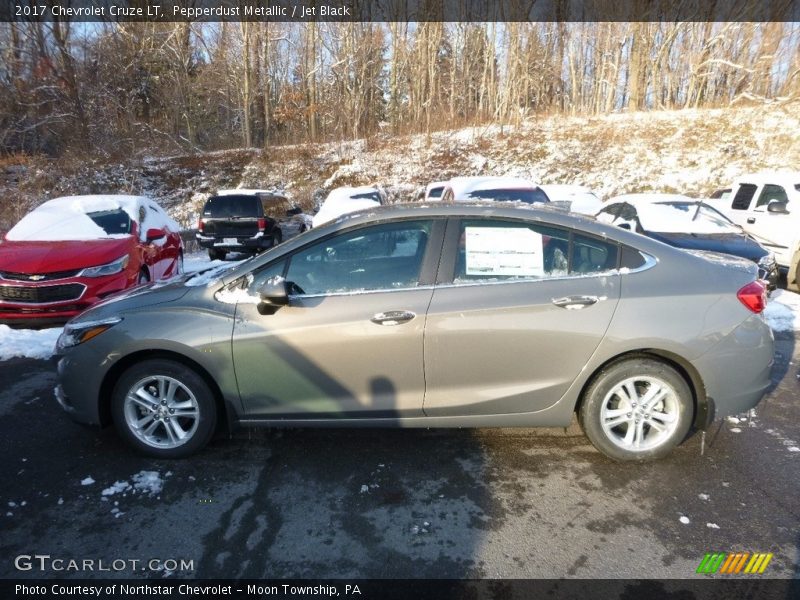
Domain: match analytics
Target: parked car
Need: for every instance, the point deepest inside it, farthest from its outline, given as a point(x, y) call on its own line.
point(767, 205)
point(71, 252)
point(690, 224)
point(502, 189)
point(434, 190)
point(452, 315)
point(242, 221)
point(344, 200)
point(577, 198)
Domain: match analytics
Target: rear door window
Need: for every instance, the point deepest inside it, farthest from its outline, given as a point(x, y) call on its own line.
point(745, 193)
point(496, 250)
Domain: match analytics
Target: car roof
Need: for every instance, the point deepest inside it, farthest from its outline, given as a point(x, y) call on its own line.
point(462, 186)
point(248, 192)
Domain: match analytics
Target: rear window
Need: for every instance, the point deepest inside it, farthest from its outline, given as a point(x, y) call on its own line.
point(232, 206)
point(745, 193)
point(513, 195)
point(374, 196)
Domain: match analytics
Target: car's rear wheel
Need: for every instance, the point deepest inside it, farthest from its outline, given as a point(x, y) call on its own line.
point(277, 237)
point(216, 254)
point(164, 409)
point(144, 276)
point(637, 409)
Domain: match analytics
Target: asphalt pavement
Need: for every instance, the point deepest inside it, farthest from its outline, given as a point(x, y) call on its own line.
point(511, 503)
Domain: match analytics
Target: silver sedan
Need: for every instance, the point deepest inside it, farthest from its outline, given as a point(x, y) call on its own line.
point(446, 316)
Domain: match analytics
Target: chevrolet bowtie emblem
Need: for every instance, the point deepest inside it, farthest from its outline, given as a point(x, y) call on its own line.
point(36, 277)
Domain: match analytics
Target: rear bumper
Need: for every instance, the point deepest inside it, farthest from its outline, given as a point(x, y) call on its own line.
point(254, 244)
point(736, 372)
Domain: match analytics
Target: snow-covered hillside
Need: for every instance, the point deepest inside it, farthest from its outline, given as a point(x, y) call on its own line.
point(690, 151)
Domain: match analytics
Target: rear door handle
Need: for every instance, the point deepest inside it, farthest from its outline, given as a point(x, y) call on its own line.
point(575, 302)
point(751, 220)
point(392, 317)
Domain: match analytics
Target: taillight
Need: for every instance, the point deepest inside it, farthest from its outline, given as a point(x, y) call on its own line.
point(753, 296)
point(262, 224)
point(200, 225)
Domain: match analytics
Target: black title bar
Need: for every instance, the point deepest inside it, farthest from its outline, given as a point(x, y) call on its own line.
point(158, 11)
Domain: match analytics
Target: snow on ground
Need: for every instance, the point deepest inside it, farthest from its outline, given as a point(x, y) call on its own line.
point(783, 311)
point(27, 343)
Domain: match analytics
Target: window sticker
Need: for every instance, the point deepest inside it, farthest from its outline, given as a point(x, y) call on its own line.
point(503, 251)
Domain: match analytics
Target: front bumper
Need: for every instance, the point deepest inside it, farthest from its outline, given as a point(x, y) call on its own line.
point(31, 304)
point(79, 382)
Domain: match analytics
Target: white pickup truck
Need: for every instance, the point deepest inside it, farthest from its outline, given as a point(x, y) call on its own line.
point(767, 205)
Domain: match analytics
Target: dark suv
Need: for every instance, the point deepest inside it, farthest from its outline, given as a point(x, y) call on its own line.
point(241, 222)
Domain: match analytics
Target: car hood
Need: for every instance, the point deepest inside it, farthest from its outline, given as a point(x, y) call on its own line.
point(52, 257)
point(737, 244)
point(149, 294)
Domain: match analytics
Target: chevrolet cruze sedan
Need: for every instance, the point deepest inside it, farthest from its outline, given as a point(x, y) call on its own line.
point(72, 252)
point(452, 315)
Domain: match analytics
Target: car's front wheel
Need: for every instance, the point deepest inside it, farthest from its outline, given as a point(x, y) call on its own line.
point(637, 409)
point(164, 409)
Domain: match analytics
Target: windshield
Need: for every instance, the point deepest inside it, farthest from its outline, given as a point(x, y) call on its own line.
point(232, 206)
point(528, 196)
point(684, 217)
point(111, 221)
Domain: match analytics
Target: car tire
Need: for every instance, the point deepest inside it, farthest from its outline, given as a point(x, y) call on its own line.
point(277, 237)
point(164, 409)
point(215, 254)
point(625, 422)
point(144, 276)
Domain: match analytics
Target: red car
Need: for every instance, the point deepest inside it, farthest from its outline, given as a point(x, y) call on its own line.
point(71, 252)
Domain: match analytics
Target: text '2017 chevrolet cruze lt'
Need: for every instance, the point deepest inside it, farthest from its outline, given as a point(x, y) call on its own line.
point(445, 316)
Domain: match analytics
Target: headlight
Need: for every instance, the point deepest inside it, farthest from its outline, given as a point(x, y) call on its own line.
point(107, 269)
point(77, 333)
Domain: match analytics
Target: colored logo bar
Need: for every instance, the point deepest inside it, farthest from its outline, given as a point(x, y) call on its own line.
point(733, 563)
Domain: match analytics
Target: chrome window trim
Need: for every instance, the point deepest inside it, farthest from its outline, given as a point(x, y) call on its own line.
point(649, 262)
point(364, 292)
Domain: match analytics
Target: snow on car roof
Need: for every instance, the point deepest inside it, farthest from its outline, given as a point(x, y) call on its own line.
point(650, 198)
point(462, 186)
point(247, 192)
point(675, 214)
point(63, 219)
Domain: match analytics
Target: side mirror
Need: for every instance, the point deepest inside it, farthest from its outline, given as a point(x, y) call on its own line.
point(777, 206)
point(273, 294)
point(625, 226)
point(155, 234)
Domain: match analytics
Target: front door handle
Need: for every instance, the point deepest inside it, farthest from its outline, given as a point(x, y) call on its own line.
point(575, 302)
point(392, 317)
point(751, 220)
